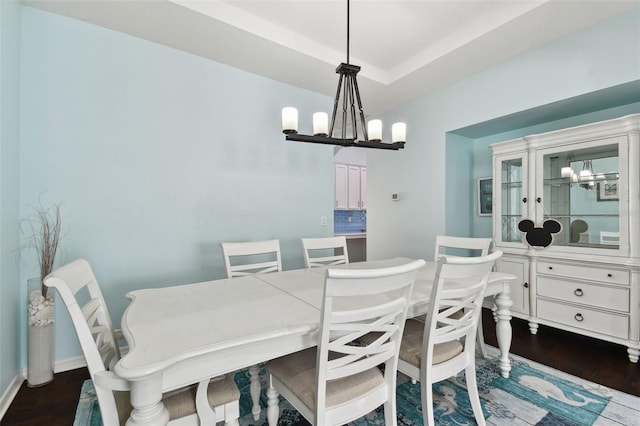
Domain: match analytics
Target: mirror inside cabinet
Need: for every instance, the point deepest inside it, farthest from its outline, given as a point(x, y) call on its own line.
point(581, 192)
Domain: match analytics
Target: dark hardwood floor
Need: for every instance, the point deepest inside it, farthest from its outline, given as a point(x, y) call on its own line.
point(52, 404)
point(594, 360)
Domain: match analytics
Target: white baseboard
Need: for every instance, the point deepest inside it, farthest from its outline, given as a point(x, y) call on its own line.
point(10, 393)
point(69, 364)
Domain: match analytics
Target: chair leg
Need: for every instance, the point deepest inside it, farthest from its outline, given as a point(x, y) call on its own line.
point(480, 340)
point(390, 412)
point(232, 413)
point(472, 391)
point(273, 408)
point(428, 415)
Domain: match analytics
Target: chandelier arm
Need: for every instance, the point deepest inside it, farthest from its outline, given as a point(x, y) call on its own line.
point(344, 142)
point(345, 94)
point(335, 106)
point(347, 98)
point(353, 109)
point(357, 91)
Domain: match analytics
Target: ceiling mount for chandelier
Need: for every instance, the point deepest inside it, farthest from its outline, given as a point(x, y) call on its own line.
point(350, 117)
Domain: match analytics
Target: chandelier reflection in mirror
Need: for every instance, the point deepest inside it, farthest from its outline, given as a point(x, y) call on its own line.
point(585, 177)
point(350, 118)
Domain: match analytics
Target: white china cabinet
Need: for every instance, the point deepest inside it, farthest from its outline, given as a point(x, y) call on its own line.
point(588, 179)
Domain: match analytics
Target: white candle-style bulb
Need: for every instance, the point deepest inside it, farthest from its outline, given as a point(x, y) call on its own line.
point(585, 175)
point(289, 120)
point(320, 124)
point(399, 132)
point(374, 128)
point(566, 172)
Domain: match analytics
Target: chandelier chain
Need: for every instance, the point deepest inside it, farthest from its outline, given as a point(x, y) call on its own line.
point(348, 21)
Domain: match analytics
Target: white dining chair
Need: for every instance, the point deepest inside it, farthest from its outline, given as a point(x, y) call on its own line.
point(339, 380)
point(208, 402)
point(608, 237)
point(461, 246)
point(466, 246)
point(325, 251)
point(249, 258)
point(444, 345)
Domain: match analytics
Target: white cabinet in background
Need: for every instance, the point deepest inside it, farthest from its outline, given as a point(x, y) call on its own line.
point(363, 188)
point(350, 188)
point(587, 178)
point(342, 188)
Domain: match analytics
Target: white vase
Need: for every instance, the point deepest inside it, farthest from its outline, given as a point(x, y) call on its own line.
point(39, 337)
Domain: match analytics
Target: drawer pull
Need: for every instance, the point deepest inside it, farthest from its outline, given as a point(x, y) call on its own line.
point(610, 275)
point(578, 292)
point(550, 267)
point(579, 317)
point(526, 285)
point(524, 200)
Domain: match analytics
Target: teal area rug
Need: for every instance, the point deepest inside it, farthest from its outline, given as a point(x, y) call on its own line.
point(533, 395)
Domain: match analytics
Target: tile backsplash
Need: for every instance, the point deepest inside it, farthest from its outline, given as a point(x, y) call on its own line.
point(346, 221)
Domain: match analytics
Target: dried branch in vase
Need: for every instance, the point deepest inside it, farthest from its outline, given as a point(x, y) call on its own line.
point(44, 236)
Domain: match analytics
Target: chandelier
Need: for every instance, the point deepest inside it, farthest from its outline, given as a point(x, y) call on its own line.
point(348, 91)
point(585, 177)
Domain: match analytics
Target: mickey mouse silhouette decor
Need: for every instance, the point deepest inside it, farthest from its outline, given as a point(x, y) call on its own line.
point(539, 237)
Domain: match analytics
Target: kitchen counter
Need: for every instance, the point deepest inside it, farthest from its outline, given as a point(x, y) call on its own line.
point(352, 235)
point(356, 245)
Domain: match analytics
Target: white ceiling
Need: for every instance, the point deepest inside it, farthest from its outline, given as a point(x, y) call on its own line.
point(405, 48)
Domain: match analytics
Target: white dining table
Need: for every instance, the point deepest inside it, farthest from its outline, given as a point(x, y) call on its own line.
point(182, 334)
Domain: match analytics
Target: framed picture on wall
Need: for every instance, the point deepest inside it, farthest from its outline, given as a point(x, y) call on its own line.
point(485, 196)
point(608, 191)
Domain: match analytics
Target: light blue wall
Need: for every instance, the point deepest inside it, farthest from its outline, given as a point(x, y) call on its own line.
point(9, 196)
point(459, 191)
point(157, 156)
point(597, 58)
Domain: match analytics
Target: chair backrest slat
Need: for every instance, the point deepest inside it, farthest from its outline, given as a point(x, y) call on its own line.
point(250, 257)
point(461, 246)
point(608, 237)
point(322, 251)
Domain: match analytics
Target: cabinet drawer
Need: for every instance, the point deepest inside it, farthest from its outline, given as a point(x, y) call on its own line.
point(587, 319)
point(616, 298)
point(605, 275)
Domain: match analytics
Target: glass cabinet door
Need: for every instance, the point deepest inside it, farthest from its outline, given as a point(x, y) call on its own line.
point(511, 184)
point(579, 188)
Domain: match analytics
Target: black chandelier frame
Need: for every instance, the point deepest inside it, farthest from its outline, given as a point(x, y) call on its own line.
point(348, 86)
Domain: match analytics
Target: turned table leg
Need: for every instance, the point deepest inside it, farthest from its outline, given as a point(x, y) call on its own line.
point(503, 329)
point(146, 400)
point(254, 389)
